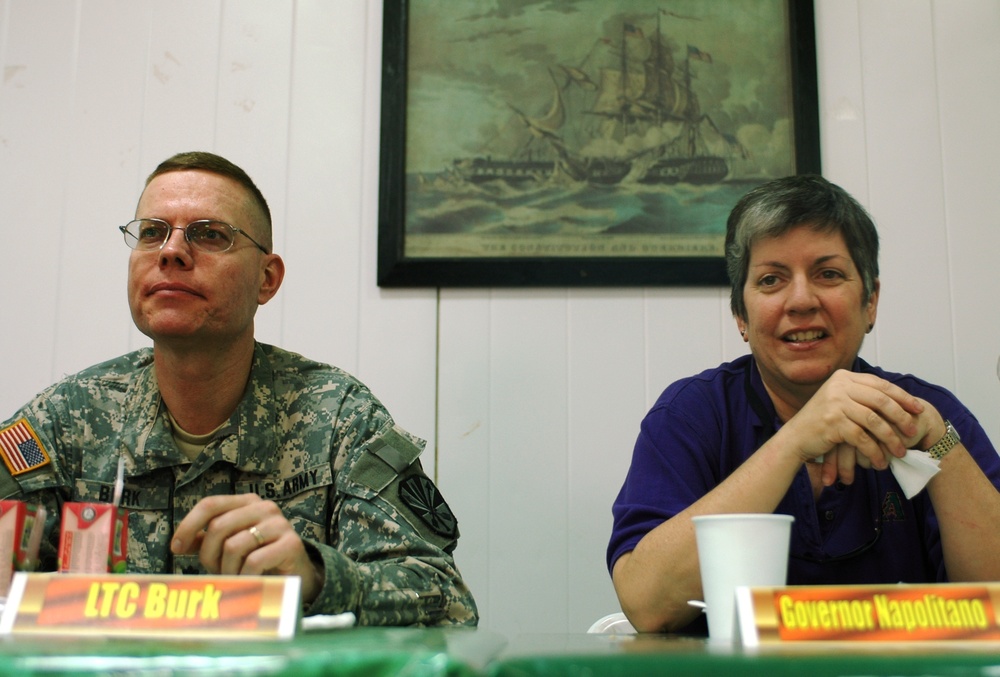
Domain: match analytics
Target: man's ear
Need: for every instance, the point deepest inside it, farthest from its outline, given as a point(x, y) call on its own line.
point(272, 273)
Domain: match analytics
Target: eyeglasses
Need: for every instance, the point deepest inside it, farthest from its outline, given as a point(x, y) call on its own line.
point(205, 235)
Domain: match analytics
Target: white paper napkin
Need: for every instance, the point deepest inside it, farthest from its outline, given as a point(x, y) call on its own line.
point(344, 620)
point(914, 471)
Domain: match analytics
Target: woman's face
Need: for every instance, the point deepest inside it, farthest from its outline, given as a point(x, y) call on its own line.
point(805, 318)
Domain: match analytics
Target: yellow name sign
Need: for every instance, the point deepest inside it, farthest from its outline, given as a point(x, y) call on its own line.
point(133, 605)
point(869, 613)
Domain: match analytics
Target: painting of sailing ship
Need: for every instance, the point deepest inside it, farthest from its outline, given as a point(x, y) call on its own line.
point(629, 99)
point(582, 128)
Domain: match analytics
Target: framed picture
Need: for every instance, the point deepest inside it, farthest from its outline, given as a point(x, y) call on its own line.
point(584, 143)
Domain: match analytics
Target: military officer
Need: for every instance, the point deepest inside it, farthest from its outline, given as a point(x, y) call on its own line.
point(231, 456)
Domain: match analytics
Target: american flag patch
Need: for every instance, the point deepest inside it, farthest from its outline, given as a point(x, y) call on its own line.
point(21, 449)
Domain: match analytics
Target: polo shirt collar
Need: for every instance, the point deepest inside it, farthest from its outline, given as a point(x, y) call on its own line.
point(762, 409)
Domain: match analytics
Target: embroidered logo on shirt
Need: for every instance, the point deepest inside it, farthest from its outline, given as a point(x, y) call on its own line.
point(892, 507)
point(21, 449)
point(420, 494)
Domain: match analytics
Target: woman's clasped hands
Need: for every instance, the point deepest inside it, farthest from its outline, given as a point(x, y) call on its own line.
point(857, 419)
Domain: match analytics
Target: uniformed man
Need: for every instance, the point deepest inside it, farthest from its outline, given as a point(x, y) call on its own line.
point(234, 457)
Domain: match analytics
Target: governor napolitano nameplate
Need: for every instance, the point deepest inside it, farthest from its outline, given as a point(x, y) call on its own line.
point(929, 614)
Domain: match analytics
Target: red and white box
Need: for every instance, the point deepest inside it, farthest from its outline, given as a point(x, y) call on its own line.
point(93, 538)
point(17, 521)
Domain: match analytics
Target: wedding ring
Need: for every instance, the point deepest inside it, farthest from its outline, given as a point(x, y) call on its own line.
point(256, 534)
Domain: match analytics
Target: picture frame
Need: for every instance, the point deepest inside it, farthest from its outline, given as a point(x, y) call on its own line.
point(644, 206)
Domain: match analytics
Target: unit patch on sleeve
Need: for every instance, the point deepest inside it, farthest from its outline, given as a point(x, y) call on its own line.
point(420, 494)
point(21, 449)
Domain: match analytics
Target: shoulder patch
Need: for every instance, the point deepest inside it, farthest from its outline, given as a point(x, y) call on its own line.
point(21, 449)
point(423, 498)
point(385, 457)
point(395, 449)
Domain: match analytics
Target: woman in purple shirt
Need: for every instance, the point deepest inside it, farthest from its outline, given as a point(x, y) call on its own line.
point(803, 426)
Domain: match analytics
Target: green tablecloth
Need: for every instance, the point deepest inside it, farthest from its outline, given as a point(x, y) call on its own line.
point(583, 655)
point(374, 652)
point(364, 652)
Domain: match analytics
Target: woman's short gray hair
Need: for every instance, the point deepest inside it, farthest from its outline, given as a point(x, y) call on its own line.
point(773, 208)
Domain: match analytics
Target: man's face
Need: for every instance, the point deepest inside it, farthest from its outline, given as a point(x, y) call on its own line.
point(183, 295)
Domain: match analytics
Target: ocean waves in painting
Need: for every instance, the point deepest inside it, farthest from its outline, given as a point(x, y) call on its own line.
point(437, 206)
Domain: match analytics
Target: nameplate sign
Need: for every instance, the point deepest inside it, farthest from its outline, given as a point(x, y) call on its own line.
point(133, 605)
point(944, 612)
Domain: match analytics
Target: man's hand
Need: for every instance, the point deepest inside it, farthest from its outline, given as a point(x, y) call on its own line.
point(243, 534)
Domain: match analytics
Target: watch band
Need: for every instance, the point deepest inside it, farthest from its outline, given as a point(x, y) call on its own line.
point(946, 443)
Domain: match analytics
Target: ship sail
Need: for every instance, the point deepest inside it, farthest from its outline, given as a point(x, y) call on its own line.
point(663, 96)
point(547, 126)
point(644, 89)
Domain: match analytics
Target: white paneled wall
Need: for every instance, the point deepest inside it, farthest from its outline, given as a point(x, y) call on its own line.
point(530, 399)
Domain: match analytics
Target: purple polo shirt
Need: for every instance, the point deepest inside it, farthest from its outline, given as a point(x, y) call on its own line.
point(703, 427)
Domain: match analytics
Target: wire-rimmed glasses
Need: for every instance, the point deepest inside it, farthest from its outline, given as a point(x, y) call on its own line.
point(205, 235)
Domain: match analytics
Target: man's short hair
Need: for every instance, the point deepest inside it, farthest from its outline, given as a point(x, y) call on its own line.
point(210, 162)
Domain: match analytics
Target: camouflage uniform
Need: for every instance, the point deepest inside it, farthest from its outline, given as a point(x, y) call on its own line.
point(306, 435)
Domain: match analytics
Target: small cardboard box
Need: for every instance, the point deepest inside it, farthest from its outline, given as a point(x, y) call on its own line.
point(93, 538)
point(17, 520)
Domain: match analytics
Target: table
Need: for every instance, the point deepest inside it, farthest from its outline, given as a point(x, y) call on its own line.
point(676, 656)
point(461, 652)
point(361, 652)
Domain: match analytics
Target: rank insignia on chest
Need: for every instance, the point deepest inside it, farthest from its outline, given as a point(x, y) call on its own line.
point(21, 449)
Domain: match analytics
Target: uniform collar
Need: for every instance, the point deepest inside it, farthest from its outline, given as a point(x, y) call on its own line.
point(247, 440)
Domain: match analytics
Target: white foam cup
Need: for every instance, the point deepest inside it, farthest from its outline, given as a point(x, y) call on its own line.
point(748, 549)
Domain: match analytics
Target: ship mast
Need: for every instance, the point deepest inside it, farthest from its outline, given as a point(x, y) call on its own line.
point(659, 65)
point(623, 81)
point(690, 114)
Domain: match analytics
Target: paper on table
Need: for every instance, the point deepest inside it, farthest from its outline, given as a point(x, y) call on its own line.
point(321, 622)
point(914, 470)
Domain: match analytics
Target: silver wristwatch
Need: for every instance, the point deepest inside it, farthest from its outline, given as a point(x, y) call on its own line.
point(946, 443)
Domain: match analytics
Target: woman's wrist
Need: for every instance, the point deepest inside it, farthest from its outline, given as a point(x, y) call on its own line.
point(947, 441)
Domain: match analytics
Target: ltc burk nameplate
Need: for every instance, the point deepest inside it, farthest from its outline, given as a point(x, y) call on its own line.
point(932, 613)
point(134, 605)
